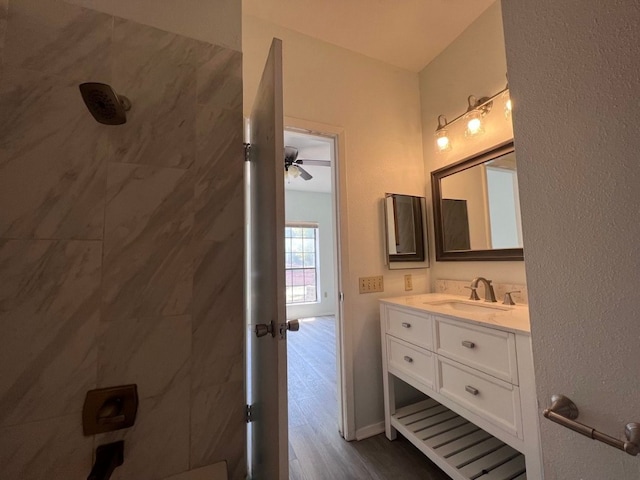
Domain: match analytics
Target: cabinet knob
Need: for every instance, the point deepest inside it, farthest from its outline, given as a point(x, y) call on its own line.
point(472, 390)
point(468, 344)
point(406, 325)
point(408, 359)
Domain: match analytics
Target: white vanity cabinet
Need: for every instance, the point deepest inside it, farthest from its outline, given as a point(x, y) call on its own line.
point(480, 418)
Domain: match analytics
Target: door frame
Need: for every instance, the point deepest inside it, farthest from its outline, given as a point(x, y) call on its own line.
point(344, 344)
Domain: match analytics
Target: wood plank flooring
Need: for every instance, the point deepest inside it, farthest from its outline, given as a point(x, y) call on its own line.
point(316, 450)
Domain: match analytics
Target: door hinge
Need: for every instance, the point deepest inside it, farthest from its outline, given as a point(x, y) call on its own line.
point(340, 297)
point(248, 413)
point(247, 151)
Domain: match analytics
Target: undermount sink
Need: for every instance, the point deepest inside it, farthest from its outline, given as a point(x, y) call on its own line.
point(467, 306)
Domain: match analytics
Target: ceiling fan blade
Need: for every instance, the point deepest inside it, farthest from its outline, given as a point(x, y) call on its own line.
point(304, 174)
point(313, 162)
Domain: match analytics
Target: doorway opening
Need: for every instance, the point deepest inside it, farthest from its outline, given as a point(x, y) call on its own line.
point(312, 269)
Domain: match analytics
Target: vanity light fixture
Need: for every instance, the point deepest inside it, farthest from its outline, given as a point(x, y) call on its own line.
point(443, 143)
point(506, 99)
point(477, 110)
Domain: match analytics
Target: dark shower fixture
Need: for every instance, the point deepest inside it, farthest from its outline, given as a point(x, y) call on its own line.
point(104, 103)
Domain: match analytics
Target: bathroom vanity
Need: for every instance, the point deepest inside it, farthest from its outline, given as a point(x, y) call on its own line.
point(473, 362)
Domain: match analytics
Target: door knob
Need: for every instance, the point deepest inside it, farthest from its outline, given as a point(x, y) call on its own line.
point(262, 329)
point(291, 325)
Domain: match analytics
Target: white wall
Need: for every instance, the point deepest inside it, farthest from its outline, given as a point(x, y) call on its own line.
point(378, 107)
point(474, 64)
point(573, 69)
point(211, 21)
point(315, 207)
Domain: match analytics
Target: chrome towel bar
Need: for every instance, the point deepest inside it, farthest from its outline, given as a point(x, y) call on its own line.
point(564, 412)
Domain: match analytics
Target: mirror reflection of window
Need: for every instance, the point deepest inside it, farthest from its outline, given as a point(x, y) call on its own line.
point(504, 203)
point(482, 203)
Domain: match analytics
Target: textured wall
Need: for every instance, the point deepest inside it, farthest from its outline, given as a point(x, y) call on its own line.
point(474, 64)
point(573, 69)
point(121, 248)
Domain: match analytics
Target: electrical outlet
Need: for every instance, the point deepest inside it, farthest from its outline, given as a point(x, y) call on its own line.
point(371, 284)
point(408, 283)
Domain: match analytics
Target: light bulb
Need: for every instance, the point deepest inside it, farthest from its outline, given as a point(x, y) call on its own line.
point(474, 124)
point(293, 170)
point(507, 104)
point(442, 141)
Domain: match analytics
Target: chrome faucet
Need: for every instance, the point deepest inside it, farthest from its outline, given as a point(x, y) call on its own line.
point(489, 294)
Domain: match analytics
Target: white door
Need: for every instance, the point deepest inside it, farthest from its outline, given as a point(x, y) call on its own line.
point(268, 353)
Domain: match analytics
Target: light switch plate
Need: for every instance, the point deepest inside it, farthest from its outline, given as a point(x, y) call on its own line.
point(371, 284)
point(408, 282)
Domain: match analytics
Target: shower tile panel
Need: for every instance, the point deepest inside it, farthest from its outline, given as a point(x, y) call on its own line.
point(157, 71)
point(53, 160)
point(219, 196)
point(218, 323)
point(4, 7)
point(217, 409)
point(57, 38)
point(53, 449)
point(137, 351)
point(220, 78)
point(148, 268)
point(49, 310)
point(120, 247)
point(157, 446)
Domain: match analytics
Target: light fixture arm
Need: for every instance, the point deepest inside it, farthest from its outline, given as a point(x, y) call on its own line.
point(483, 105)
point(442, 122)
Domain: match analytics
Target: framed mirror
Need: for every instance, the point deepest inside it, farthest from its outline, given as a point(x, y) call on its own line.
point(476, 208)
point(405, 236)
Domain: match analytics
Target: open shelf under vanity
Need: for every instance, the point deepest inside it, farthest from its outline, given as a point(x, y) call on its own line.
point(460, 448)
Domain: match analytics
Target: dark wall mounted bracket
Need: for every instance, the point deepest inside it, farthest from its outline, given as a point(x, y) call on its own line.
point(109, 409)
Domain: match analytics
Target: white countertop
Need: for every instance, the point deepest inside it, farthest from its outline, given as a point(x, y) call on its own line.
point(511, 318)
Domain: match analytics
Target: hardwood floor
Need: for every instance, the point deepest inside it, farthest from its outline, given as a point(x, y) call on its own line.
point(316, 450)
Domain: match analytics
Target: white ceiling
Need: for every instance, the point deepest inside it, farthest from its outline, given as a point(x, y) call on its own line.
point(404, 33)
point(314, 148)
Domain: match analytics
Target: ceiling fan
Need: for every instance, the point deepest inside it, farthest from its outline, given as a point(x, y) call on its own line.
point(292, 164)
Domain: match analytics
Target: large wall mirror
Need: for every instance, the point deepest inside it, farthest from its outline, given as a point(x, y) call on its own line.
point(477, 208)
point(404, 231)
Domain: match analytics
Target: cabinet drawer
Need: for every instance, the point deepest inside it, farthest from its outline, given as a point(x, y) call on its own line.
point(415, 362)
point(491, 351)
point(496, 401)
point(416, 329)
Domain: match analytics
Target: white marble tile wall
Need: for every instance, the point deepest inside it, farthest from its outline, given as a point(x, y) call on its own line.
point(121, 248)
point(458, 287)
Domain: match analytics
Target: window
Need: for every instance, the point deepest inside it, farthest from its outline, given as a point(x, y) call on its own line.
point(301, 259)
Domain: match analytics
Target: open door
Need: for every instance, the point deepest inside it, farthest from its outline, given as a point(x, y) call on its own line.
point(267, 345)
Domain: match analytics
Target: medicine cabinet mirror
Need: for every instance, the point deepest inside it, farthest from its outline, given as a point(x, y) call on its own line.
point(404, 231)
point(476, 208)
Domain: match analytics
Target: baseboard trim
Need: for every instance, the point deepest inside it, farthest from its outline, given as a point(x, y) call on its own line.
point(369, 431)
